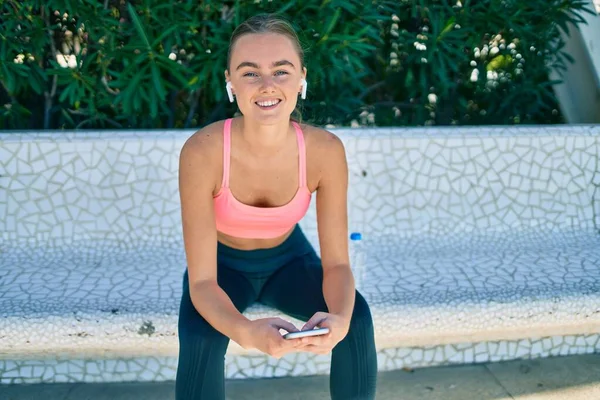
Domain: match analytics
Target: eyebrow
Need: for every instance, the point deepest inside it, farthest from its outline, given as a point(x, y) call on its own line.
point(273, 65)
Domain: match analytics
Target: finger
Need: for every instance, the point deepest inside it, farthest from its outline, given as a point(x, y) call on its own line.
point(317, 349)
point(289, 343)
point(311, 347)
point(326, 323)
point(298, 344)
point(313, 340)
point(314, 320)
point(280, 323)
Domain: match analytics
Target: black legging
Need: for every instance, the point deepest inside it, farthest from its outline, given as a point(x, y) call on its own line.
point(289, 278)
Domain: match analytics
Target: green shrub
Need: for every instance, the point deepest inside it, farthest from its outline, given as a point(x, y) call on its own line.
point(481, 62)
point(159, 64)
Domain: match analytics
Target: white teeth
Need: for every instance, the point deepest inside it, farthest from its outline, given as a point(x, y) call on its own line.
point(267, 103)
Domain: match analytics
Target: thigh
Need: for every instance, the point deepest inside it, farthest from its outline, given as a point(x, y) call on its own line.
point(201, 362)
point(297, 288)
point(233, 283)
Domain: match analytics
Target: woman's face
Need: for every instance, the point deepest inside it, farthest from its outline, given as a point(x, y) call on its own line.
point(265, 67)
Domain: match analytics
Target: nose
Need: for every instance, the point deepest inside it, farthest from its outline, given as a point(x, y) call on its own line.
point(267, 84)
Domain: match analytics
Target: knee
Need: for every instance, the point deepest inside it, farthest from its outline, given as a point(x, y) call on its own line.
point(194, 331)
point(203, 341)
point(194, 328)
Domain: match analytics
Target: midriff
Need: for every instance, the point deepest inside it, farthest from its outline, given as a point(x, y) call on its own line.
point(251, 244)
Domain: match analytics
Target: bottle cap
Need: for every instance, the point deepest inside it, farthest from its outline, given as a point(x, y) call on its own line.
point(355, 236)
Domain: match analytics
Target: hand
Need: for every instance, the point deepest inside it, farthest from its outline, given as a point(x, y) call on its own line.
point(263, 334)
point(323, 344)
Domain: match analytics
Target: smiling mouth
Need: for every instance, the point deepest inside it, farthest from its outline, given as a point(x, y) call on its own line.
point(269, 107)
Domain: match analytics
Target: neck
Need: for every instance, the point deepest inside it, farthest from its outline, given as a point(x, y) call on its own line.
point(264, 140)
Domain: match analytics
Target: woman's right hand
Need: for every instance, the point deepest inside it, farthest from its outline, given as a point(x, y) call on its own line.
point(263, 334)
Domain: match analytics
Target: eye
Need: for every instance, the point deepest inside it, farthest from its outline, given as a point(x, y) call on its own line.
point(254, 73)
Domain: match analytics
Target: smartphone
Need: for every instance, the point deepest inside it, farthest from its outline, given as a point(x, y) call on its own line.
point(310, 332)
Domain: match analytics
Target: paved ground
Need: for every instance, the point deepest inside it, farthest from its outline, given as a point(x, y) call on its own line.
point(556, 378)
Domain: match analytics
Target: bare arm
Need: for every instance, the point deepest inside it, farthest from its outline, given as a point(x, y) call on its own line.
point(196, 172)
point(332, 221)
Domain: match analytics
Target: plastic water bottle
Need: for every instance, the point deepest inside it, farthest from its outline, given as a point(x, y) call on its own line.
point(357, 258)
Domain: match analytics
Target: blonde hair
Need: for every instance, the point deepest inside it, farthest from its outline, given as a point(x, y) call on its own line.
point(268, 23)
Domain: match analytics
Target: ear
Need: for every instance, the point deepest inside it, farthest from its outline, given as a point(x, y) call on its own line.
point(227, 78)
point(303, 77)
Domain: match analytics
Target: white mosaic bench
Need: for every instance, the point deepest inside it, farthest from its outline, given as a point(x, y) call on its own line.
point(483, 245)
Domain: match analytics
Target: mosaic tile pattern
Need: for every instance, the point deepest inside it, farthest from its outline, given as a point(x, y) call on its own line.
point(474, 235)
point(55, 187)
point(240, 367)
point(96, 299)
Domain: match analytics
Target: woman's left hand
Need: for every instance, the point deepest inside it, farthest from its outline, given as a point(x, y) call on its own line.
point(323, 344)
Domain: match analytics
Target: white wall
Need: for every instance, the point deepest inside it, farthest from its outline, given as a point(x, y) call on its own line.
point(579, 94)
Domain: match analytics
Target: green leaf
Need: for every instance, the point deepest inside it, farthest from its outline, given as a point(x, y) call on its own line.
point(137, 98)
point(409, 78)
point(35, 85)
point(67, 116)
point(65, 92)
point(138, 26)
point(173, 71)
point(568, 57)
point(194, 80)
point(153, 105)
point(166, 33)
point(448, 28)
point(288, 5)
point(157, 82)
point(75, 93)
point(21, 70)
point(332, 23)
point(441, 72)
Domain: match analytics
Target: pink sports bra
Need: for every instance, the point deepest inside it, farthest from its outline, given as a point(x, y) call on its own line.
point(237, 219)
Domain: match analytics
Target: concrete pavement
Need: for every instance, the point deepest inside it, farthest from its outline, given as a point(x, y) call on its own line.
point(556, 378)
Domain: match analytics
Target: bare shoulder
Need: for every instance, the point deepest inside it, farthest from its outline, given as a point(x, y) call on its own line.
point(201, 155)
point(326, 154)
point(205, 142)
point(325, 148)
point(321, 141)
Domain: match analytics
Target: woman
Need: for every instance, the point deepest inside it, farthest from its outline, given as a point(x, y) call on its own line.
point(241, 234)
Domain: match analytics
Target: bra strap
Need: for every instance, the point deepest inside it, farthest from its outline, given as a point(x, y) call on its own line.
point(226, 152)
point(301, 154)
